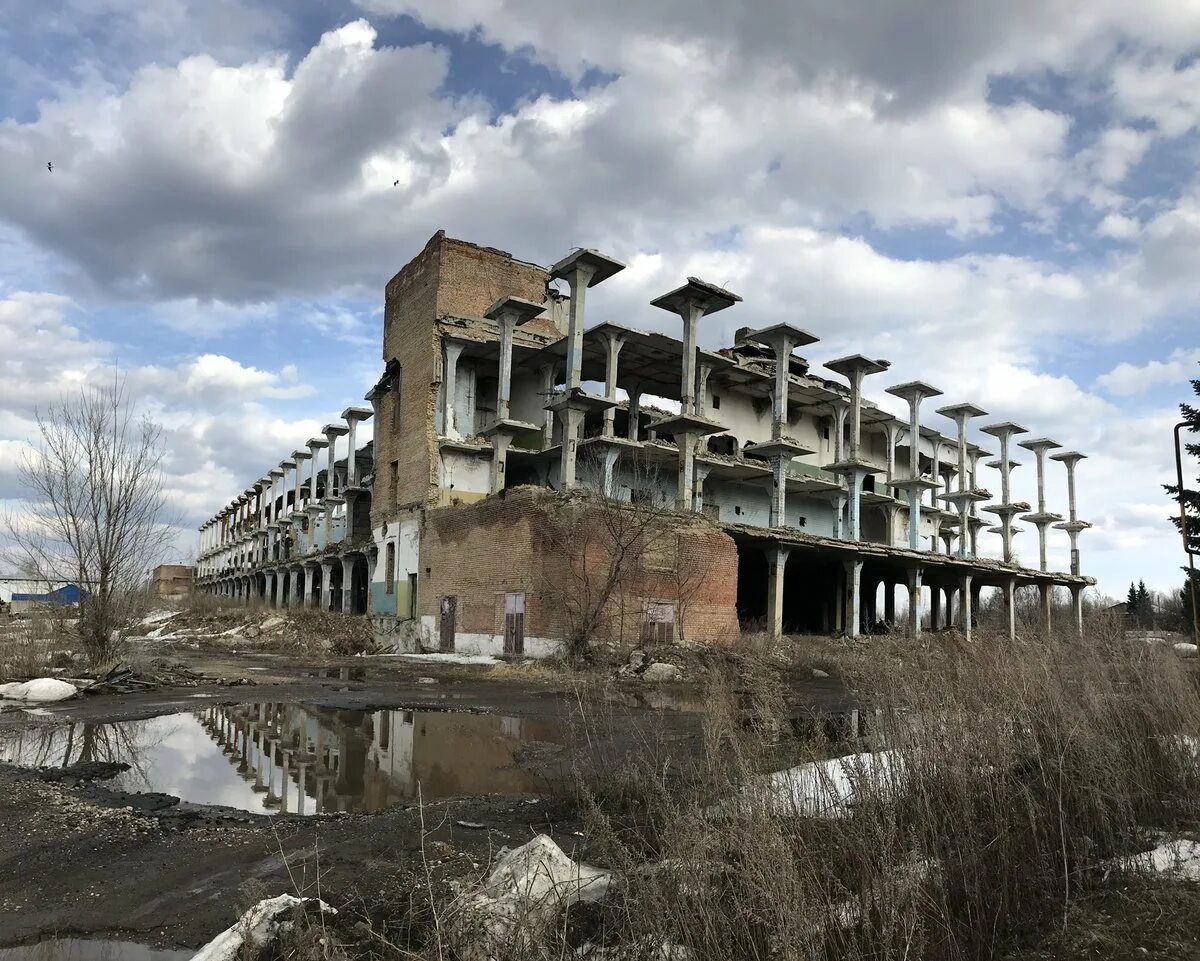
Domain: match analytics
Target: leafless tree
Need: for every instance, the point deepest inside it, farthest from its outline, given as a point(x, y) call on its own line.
point(94, 512)
point(610, 552)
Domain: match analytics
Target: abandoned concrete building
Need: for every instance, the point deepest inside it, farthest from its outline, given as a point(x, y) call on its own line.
point(531, 479)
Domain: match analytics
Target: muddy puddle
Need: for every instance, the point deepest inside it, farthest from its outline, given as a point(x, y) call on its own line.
point(269, 758)
point(91, 949)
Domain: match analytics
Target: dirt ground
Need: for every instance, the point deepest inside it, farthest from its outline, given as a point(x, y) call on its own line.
point(79, 858)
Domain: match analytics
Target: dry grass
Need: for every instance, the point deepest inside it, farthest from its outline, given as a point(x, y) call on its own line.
point(1024, 767)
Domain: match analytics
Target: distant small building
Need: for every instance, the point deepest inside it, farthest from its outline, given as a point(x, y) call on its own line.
point(23, 594)
point(172, 581)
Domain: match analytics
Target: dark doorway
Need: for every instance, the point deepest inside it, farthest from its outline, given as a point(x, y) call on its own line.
point(811, 593)
point(752, 587)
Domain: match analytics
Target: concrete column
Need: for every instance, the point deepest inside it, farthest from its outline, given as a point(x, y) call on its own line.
point(547, 372)
point(508, 313)
point(1046, 595)
point(571, 419)
point(889, 602)
point(1010, 607)
point(610, 462)
point(613, 343)
point(310, 585)
point(687, 458)
point(854, 369)
point(854, 497)
point(778, 512)
point(347, 585)
point(965, 606)
point(501, 441)
point(451, 351)
point(332, 432)
point(701, 472)
point(839, 516)
point(314, 445)
point(1042, 519)
point(935, 608)
point(891, 432)
point(294, 599)
point(352, 416)
point(327, 585)
point(1077, 607)
point(1074, 525)
point(914, 600)
point(776, 571)
point(840, 410)
point(299, 456)
point(853, 596)
point(702, 374)
point(635, 409)
point(960, 414)
point(951, 616)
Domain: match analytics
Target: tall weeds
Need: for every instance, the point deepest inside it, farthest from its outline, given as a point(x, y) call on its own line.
point(1019, 769)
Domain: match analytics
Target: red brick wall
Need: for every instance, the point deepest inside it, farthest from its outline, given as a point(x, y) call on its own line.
point(447, 277)
point(531, 541)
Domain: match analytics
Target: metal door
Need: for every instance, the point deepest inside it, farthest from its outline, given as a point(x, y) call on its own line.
point(449, 617)
point(659, 624)
point(514, 623)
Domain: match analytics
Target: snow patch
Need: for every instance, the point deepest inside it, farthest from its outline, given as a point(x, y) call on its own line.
point(255, 929)
point(157, 617)
point(1185, 649)
point(1178, 858)
point(41, 690)
point(446, 657)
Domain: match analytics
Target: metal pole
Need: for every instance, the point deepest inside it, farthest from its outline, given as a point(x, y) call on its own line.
point(1183, 533)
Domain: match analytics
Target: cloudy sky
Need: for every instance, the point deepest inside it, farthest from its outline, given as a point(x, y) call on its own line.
point(1000, 198)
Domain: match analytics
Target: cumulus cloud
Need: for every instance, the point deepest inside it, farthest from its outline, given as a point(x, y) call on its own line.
point(219, 431)
point(789, 154)
point(1127, 379)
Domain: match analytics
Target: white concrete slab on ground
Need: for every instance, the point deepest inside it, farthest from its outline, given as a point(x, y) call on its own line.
point(41, 690)
point(257, 928)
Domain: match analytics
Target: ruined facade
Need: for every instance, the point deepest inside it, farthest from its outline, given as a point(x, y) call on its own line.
point(534, 482)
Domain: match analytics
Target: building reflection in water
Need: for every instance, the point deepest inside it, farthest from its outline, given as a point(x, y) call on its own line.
point(307, 760)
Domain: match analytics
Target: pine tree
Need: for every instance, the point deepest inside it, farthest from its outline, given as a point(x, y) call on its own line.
point(1191, 497)
point(1131, 600)
point(1145, 607)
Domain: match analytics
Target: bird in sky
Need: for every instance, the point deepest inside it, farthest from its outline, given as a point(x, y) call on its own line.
point(50, 166)
point(395, 183)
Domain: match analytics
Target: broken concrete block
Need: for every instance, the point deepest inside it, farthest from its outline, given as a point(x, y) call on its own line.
point(521, 898)
point(257, 929)
point(658, 673)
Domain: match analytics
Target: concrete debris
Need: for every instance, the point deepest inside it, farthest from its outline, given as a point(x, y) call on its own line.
point(1185, 649)
point(822, 789)
point(817, 672)
point(41, 690)
point(257, 929)
point(520, 899)
point(659, 673)
point(273, 622)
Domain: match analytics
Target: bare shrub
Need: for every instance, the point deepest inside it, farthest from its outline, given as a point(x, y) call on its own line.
point(610, 556)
